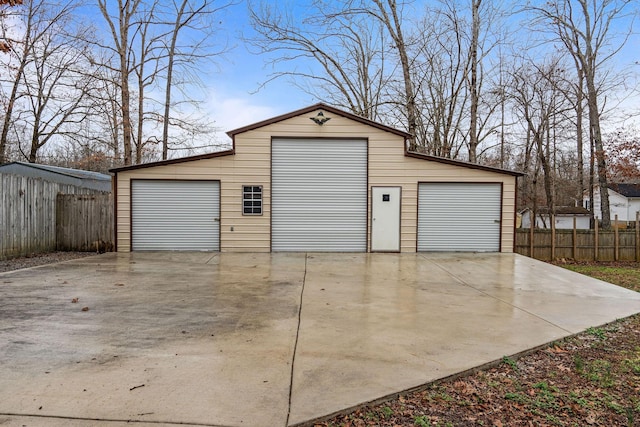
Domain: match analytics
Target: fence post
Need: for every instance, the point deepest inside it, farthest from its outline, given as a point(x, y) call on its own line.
point(573, 253)
point(637, 236)
point(531, 236)
point(595, 240)
point(616, 241)
point(553, 236)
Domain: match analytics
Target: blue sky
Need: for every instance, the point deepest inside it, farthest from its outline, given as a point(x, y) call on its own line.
point(235, 96)
point(232, 99)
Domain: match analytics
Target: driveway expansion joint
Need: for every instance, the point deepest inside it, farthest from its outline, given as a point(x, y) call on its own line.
point(295, 344)
point(467, 284)
point(111, 420)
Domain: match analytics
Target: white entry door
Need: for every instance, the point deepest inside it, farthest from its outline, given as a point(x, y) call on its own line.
point(385, 219)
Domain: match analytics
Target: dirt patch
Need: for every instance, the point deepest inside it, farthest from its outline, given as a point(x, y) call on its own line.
point(40, 259)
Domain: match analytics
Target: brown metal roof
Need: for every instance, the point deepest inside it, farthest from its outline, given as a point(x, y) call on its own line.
point(174, 161)
point(312, 108)
point(452, 162)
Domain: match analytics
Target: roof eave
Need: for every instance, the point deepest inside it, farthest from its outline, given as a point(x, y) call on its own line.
point(452, 162)
point(174, 161)
point(314, 107)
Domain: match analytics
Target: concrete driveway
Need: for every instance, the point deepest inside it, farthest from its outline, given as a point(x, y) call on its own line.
point(269, 339)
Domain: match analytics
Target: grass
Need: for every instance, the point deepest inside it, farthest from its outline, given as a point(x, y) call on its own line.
point(625, 274)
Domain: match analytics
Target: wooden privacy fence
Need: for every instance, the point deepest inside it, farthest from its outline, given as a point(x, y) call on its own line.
point(28, 215)
point(580, 245)
point(84, 222)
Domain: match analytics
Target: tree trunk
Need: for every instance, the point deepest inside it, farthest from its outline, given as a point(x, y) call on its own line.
point(167, 94)
point(140, 134)
point(596, 134)
point(8, 114)
point(579, 135)
point(412, 116)
point(473, 120)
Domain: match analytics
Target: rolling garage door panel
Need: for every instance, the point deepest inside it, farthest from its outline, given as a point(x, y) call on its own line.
point(462, 217)
point(175, 215)
point(319, 195)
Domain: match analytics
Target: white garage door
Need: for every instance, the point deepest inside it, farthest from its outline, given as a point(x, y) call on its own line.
point(175, 215)
point(319, 195)
point(462, 217)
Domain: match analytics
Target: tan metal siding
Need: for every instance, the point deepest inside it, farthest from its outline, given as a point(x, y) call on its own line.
point(389, 166)
point(251, 165)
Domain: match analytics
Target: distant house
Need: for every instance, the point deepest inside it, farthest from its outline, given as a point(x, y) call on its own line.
point(563, 218)
point(624, 201)
point(76, 177)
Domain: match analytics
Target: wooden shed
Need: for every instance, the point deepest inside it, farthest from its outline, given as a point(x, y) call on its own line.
point(316, 179)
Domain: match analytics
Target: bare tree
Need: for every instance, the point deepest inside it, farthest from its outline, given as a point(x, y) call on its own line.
point(56, 86)
point(121, 25)
point(585, 33)
point(42, 75)
point(145, 66)
point(387, 12)
point(473, 80)
point(348, 49)
point(441, 68)
point(148, 46)
point(5, 41)
point(536, 93)
point(193, 18)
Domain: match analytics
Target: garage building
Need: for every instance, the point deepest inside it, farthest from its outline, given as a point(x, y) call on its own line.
point(316, 179)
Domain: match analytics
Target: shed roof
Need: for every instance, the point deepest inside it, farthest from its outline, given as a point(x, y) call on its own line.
point(563, 210)
point(80, 178)
point(75, 173)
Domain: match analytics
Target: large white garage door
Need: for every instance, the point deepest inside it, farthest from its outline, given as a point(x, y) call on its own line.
point(319, 195)
point(462, 217)
point(175, 215)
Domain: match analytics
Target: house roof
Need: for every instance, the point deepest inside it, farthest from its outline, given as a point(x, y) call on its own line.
point(627, 190)
point(565, 210)
point(312, 108)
